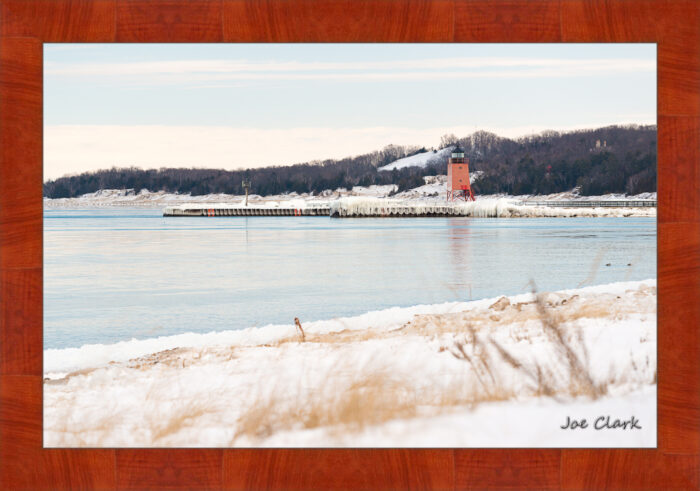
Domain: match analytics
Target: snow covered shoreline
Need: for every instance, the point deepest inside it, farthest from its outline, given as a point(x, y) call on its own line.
point(361, 202)
point(432, 192)
point(429, 375)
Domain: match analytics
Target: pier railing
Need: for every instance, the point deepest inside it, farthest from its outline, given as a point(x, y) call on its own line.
point(593, 204)
point(235, 210)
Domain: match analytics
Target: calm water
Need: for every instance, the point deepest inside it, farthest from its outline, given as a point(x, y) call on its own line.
point(112, 275)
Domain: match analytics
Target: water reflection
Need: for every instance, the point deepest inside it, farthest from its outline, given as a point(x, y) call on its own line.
point(112, 275)
point(460, 254)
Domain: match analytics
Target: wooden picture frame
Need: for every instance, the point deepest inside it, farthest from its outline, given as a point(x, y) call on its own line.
point(674, 25)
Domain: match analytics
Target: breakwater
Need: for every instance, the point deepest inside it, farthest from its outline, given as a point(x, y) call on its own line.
point(235, 210)
point(358, 207)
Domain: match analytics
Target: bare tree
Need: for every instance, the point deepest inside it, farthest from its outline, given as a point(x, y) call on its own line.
point(448, 140)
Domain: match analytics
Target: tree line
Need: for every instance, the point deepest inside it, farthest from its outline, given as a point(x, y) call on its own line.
point(615, 159)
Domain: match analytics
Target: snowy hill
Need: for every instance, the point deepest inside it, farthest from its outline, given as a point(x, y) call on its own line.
point(418, 160)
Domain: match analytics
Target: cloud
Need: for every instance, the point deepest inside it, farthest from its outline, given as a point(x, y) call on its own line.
point(80, 148)
point(200, 71)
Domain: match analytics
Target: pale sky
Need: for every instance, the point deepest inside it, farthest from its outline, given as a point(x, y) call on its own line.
point(237, 106)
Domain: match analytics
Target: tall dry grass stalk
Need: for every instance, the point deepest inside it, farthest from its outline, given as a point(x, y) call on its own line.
point(579, 374)
point(571, 374)
point(595, 266)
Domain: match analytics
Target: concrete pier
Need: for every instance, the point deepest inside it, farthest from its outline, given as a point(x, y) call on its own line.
point(234, 210)
point(398, 210)
point(381, 207)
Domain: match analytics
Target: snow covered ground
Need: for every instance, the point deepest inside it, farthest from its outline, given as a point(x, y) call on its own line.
point(497, 372)
point(418, 160)
point(147, 199)
point(433, 191)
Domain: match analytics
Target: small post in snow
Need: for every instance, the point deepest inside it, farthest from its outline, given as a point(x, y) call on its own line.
point(303, 336)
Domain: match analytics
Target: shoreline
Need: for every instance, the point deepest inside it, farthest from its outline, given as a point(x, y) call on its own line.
point(396, 377)
point(428, 194)
point(58, 361)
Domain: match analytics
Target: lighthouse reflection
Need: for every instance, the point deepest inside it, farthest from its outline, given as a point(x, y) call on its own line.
point(460, 271)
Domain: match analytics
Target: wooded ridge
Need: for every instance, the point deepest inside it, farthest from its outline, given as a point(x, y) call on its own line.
point(613, 159)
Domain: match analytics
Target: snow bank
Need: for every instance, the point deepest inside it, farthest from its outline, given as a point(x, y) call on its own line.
point(574, 196)
point(147, 199)
point(435, 187)
point(421, 376)
point(431, 191)
point(59, 362)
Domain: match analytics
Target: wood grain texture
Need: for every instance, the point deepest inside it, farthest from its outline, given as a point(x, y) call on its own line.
point(338, 469)
point(55, 21)
point(513, 21)
point(482, 469)
point(169, 21)
point(20, 153)
point(169, 469)
point(671, 24)
point(679, 337)
point(628, 470)
point(678, 169)
point(25, 465)
point(25, 24)
point(21, 321)
point(338, 21)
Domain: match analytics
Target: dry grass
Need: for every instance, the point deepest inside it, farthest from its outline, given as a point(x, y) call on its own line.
point(367, 398)
point(573, 353)
point(480, 361)
point(181, 357)
point(180, 415)
point(352, 396)
point(571, 373)
point(561, 308)
point(185, 415)
point(376, 396)
point(63, 380)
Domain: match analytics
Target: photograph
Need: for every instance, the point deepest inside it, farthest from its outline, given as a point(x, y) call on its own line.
point(350, 245)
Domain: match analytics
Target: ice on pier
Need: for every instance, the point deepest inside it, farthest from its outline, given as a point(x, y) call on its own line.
point(481, 208)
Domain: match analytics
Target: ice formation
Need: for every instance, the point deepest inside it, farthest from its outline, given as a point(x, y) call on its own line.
point(481, 208)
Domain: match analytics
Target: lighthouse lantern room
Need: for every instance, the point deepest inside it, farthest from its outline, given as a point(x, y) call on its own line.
point(458, 185)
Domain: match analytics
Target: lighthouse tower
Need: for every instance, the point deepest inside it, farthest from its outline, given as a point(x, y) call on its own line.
point(458, 186)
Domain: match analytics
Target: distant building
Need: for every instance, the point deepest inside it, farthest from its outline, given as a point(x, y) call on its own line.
point(599, 147)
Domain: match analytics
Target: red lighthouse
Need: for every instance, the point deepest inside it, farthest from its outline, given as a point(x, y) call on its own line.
point(458, 185)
